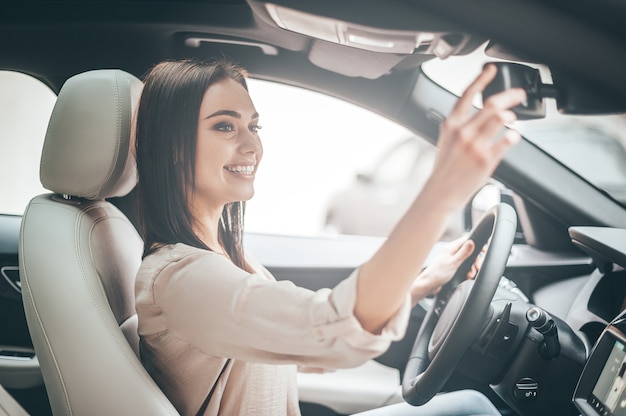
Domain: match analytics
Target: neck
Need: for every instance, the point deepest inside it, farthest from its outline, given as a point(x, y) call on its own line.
point(206, 226)
point(207, 230)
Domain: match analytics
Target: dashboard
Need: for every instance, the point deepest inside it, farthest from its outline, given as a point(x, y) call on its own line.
point(601, 389)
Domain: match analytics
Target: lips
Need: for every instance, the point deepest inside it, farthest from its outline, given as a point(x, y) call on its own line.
point(241, 169)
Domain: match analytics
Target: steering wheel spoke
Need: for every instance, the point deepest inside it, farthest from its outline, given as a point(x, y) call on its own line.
point(440, 304)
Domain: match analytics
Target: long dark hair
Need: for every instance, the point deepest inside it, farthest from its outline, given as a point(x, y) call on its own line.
point(166, 131)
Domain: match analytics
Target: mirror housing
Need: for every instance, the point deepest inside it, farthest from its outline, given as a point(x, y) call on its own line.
point(513, 75)
point(571, 97)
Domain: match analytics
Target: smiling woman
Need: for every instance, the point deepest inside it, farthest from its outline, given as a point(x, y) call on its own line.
point(207, 312)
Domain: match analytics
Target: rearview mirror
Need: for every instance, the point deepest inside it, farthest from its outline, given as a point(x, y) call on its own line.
point(512, 75)
point(572, 97)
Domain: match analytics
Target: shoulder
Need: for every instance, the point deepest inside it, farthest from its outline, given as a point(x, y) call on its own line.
point(183, 255)
point(184, 260)
point(258, 268)
point(173, 253)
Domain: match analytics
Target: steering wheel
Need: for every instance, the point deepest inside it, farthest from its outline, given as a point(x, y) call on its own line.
point(459, 311)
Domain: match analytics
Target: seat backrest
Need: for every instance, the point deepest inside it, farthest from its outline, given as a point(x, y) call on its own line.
point(79, 255)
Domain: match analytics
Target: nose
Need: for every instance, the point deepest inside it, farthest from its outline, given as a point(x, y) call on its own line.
point(251, 143)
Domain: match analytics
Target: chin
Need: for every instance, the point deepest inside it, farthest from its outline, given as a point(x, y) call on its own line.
point(244, 196)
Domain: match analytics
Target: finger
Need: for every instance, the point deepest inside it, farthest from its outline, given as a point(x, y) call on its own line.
point(463, 252)
point(484, 127)
point(493, 127)
point(455, 245)
point(496, 112)
point(478, 263)
point(489, 123)
point(491, 132)
point(505, 99)
point(509, 138)
point(464, 104)
point(472, 272)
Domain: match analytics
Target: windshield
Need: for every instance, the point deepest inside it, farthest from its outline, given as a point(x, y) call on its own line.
point(594, 147)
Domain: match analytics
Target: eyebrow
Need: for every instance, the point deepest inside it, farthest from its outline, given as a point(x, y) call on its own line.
point(230, 113)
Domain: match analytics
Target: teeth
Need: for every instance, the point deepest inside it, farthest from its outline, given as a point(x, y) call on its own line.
point(247, 170)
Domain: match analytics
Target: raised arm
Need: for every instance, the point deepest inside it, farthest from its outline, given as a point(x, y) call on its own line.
point(468, 155)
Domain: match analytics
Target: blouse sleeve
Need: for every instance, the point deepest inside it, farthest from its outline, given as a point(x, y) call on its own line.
point(224, 311)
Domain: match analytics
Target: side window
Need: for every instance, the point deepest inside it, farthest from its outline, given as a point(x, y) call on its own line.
point(330, 166)
point(397, 165)
point(25, 108)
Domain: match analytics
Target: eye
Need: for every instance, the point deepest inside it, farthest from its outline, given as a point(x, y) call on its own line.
point(255, 128)
point(225, 127)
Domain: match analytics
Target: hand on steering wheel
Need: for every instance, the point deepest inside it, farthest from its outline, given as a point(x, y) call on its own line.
point(459, 311)
point(442, 268)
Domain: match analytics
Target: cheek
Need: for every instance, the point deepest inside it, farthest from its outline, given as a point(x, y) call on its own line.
point(209, 163)
point(208, 167)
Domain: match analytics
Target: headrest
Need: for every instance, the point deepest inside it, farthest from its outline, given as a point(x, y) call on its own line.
point(87, 150)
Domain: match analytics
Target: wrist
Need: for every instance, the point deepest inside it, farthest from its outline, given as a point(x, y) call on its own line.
point(446, 194)
point(422, 287)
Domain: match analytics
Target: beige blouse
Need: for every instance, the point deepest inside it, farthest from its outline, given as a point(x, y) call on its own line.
point(196, 309)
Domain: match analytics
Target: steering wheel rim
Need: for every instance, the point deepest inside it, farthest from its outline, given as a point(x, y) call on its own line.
point(430, 365)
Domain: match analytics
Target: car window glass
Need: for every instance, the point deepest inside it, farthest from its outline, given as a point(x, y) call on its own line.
point(317, 150)
point(594, 147)
point(397, 165)
point(25, 108)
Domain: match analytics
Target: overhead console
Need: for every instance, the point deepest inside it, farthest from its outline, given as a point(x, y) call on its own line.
point(440, 44)
point(377, 44)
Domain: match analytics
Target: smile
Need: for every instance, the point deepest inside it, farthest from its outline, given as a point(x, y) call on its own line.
point(244, 170)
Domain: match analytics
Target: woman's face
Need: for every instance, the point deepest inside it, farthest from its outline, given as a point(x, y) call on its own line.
point(228, 148)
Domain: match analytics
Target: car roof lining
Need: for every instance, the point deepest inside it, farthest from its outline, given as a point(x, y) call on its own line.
point(146, 26)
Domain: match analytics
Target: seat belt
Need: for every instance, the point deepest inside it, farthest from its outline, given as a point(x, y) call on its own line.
point(208, 397)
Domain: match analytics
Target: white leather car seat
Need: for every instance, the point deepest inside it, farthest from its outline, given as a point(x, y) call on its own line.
point(9, 406)
point(79, 254)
